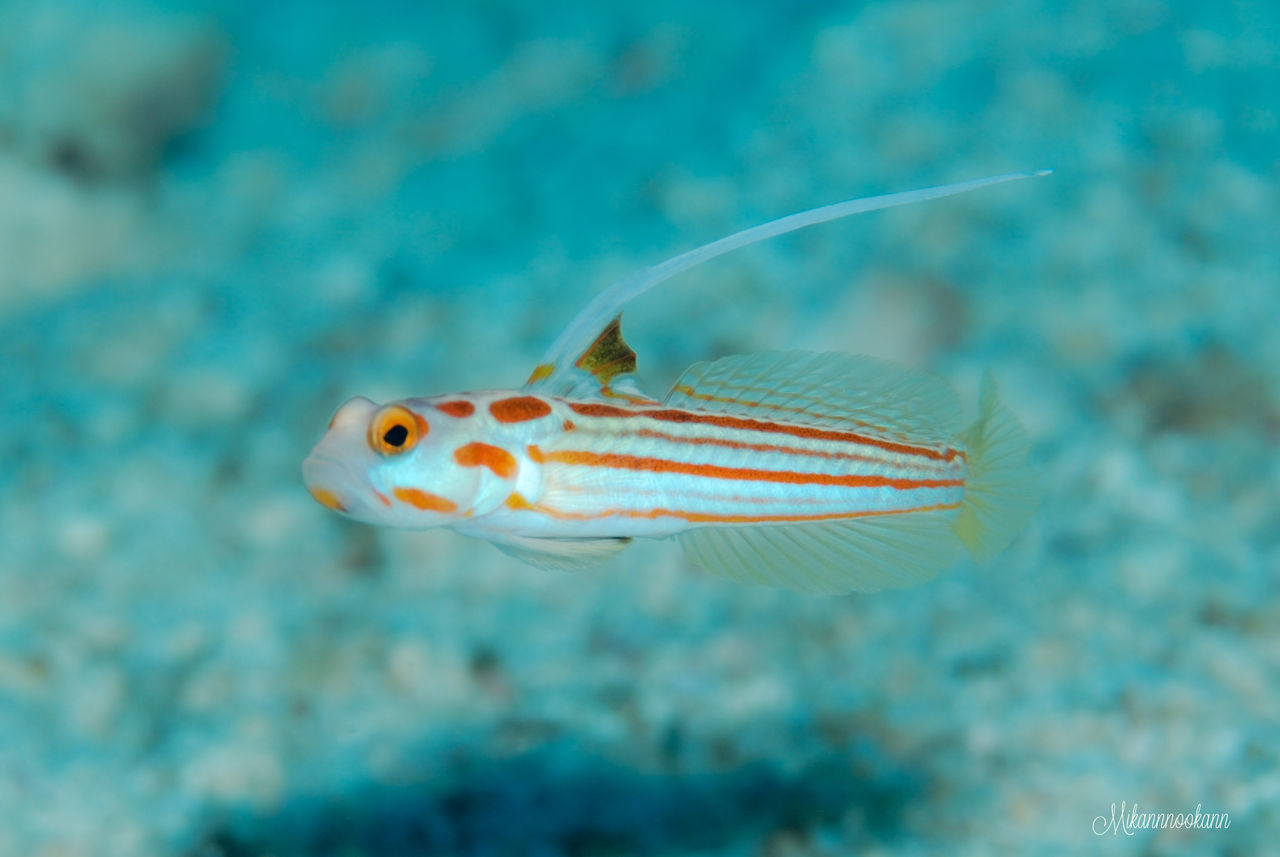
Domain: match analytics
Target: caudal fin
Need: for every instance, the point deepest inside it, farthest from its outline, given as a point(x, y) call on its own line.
point(1000, 490)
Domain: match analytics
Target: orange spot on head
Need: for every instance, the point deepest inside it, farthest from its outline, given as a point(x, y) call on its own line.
point(569, 426)
point(495, 458)
point(535, 455)
point(423, 500)
point(516, 501)
point(460, 408)
point(328, 499)
point(518, 409)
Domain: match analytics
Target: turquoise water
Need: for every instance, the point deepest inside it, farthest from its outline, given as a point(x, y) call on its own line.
point(219, 221)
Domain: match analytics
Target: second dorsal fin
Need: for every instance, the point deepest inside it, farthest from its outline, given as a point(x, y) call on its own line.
point(843, 391)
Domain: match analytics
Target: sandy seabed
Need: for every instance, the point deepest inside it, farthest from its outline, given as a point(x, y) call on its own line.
point(218, 223)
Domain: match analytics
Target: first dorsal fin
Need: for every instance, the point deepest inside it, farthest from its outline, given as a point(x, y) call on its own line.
point(609, 356)
point(561, 372)
point(605, 358)
point(603, 369)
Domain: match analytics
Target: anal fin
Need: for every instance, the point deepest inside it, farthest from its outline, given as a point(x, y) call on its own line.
point(854, 555)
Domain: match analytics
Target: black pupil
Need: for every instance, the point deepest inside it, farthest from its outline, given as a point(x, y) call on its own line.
point(396, 435)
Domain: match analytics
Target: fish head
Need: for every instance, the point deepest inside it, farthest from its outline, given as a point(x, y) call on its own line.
point(392, 465)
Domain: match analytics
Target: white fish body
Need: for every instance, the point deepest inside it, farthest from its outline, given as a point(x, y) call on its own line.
point(821, 472)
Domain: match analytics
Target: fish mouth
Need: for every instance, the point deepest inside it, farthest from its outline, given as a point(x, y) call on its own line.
point(332, 484)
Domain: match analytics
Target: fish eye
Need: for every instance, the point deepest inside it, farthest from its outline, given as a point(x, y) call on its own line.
point(396, 429)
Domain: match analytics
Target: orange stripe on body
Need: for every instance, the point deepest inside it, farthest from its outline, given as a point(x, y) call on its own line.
point(715, 471)
point(591, 409)
point(515, 501)
point(690, 392)
point(758, 447)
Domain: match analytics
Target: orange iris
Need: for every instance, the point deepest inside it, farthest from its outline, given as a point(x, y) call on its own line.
point(395, 430)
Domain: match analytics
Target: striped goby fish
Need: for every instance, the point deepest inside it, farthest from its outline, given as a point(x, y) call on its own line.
point(817, 472)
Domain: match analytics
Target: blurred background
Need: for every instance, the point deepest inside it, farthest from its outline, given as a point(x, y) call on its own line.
point(218, 220)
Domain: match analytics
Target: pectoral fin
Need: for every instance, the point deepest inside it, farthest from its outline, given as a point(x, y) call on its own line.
point(565, 554)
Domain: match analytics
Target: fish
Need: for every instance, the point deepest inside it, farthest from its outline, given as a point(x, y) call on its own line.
point(817, 472)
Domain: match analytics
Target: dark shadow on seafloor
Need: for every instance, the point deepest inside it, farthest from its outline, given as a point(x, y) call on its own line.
point(557, 801)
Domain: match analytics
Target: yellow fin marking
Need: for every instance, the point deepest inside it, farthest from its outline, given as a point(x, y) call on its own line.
point(540, 372)
point(516, 500)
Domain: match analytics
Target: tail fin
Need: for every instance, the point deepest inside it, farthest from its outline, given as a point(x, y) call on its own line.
point(1000, 491)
